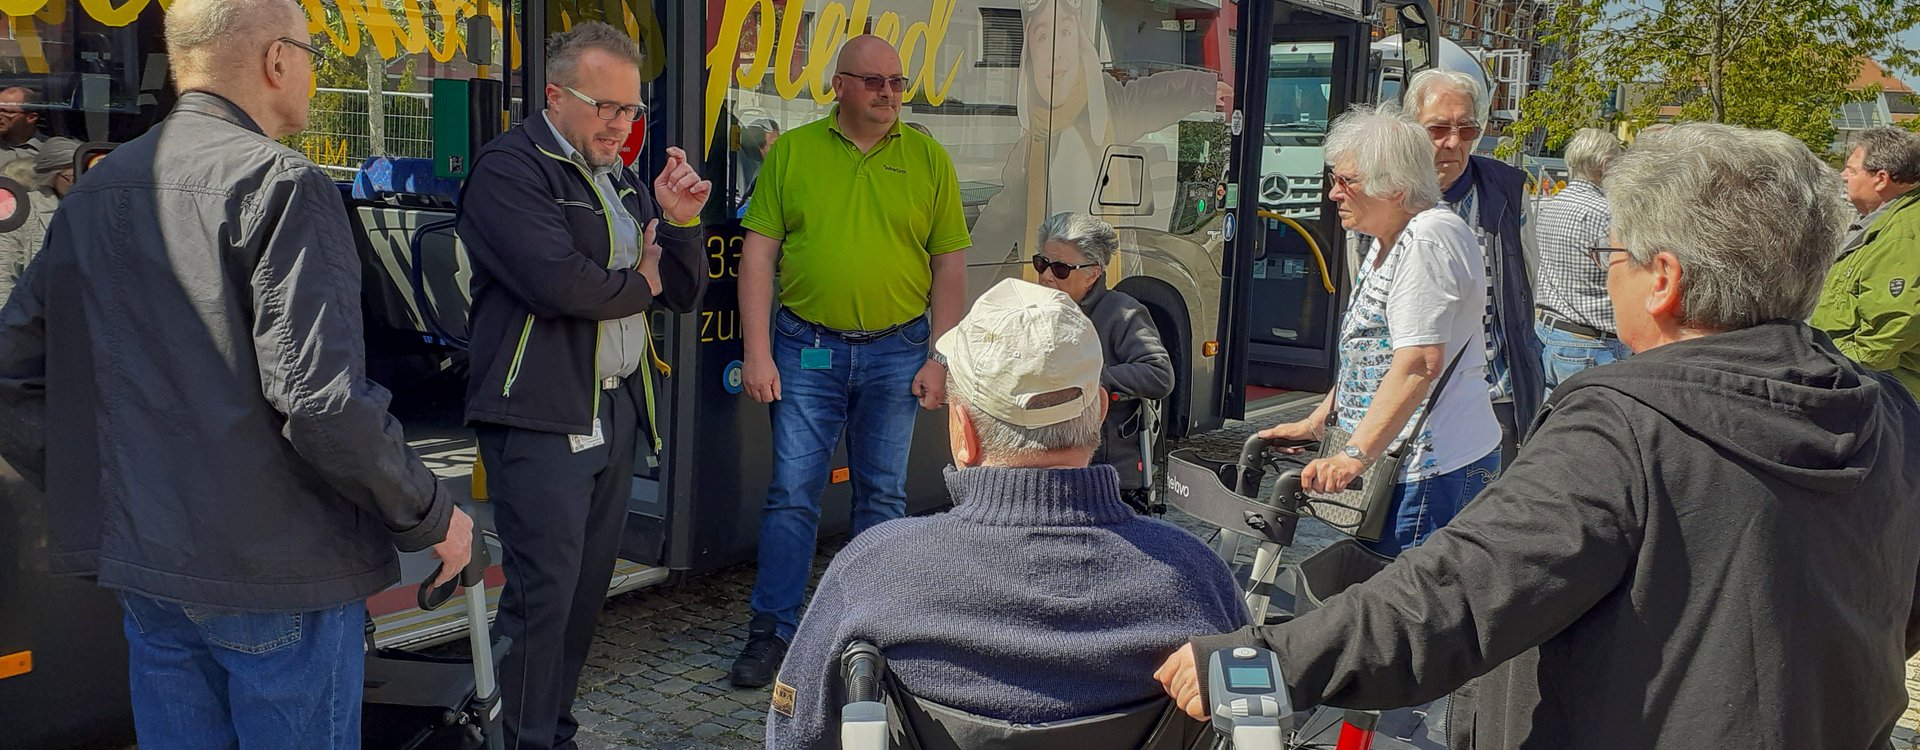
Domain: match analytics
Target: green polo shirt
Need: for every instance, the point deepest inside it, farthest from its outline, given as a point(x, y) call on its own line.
point(857, 231)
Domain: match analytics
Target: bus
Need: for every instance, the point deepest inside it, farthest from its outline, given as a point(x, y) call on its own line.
point(1194, 126)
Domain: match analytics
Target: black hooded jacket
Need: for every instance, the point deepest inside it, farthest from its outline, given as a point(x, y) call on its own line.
point(1712, 544)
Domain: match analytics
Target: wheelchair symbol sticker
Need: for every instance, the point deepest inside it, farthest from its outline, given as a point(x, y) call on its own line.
point(734, 378)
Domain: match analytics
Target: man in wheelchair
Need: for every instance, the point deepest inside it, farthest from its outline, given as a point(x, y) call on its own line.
point(1041, 596)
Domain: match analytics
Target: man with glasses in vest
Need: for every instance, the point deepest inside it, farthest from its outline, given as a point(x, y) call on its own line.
point(569, 250)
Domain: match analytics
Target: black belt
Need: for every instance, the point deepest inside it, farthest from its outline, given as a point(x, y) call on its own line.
point(855, 338)
point(1552, 320)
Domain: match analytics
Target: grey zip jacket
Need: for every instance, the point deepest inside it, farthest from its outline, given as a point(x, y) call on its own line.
point(182, 372)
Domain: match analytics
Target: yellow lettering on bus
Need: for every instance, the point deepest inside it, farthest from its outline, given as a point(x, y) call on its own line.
point(919, 46)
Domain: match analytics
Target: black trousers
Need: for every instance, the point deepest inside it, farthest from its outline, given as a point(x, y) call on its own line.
point(559, 515)
point(1509, 433)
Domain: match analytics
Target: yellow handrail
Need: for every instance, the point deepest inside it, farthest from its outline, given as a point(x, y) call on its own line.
point(1326, 279)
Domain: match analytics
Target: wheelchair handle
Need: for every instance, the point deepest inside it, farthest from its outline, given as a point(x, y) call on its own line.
point(861, 668)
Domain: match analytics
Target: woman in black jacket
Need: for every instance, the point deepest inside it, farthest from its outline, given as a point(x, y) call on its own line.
point(1074, 249)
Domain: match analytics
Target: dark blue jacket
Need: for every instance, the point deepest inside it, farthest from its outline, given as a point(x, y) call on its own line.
point(541, 241)
point(1501, 199)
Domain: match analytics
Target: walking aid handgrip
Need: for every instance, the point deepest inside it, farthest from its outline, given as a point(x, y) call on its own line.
point(430, 597)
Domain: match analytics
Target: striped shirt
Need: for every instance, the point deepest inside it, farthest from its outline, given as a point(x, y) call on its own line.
point(1499, 380)
point(1569, 284)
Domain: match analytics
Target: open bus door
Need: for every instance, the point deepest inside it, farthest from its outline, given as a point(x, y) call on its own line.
point(1286, 264)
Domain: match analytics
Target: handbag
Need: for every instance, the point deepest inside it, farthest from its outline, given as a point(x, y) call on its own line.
point(1363, 512)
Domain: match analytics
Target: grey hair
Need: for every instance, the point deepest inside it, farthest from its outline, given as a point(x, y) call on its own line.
point(1752, 215)
point(1429, 85)
point(1095, 239)
point(1004, 441)
point(1589, 153)
point(565, 48)
point(1890, 150)
point(200, 33)
point(1391, 153)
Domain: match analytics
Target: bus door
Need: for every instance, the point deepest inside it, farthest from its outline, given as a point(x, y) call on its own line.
point(1286, 261)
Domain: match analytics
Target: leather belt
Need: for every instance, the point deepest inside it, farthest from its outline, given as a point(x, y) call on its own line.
point(1552, 320)
point(857, 338)
point(611, 383)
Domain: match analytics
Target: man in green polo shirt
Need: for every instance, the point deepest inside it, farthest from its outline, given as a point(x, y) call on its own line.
point(863, 215)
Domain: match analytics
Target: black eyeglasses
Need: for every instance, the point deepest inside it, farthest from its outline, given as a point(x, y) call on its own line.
point(1043, 264)
point(610, 110)
point(1467, 132)
point(876, 83)
point(310, 49)
point(1603, 256)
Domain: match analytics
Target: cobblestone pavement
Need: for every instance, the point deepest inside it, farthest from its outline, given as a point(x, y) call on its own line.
point(657, 676)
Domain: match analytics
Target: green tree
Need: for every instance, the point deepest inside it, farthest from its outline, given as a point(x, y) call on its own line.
point(1758, 63)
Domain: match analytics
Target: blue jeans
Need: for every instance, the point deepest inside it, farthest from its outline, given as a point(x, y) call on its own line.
point(218, 679)
point(866, 392)
point(1565, 353)
point(1422, 507)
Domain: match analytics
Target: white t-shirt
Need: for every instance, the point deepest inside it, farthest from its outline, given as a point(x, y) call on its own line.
point(1432, 289)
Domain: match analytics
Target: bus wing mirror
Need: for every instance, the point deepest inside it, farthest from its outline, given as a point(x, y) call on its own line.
point(1415, 21)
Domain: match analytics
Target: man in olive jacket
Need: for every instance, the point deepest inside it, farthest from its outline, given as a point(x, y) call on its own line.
point(1872, 297)
point(1709, 544)
point(570, 251)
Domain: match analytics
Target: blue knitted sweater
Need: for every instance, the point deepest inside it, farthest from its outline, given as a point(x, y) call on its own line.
point(1039, 597)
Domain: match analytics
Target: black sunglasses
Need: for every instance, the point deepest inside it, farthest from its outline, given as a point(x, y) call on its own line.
point(1060, 270)
point(876, 83)
point(1603, 256)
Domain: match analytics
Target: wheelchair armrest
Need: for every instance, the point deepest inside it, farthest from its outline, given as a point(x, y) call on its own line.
point(863, 720)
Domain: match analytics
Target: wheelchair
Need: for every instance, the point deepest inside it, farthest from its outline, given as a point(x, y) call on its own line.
point(880, 715)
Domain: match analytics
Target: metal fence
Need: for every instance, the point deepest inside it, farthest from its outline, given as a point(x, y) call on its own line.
point(340, 133)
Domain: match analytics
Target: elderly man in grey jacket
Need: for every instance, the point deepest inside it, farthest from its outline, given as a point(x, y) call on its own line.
point(182, 373)
point(1074, 250)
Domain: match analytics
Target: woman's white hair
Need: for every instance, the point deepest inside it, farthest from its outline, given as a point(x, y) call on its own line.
point(1429, 85)
point(1589, 153)
point(1752, 215)
point(1390, 154)
point(1095, 239)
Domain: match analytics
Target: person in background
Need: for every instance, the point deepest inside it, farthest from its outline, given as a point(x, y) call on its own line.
point(570, 250)
point(862, 215)
point(756, 139)
point(1709, 544)
point(1074, 249)
point(1572, 315)
point(1489, 195)
point(1415, 315)
point(48, 176)
point(183, 373)
point(1872, 295)
point(20, 135)
point(1040, 597)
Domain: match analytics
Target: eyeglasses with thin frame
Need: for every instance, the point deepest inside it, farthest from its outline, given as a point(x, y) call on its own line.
point(1043, 264)
point(610, 110)
point(1345, 183)
point(1602, 256)
point(308, 48)
point(877, 83)
point(1467, 132)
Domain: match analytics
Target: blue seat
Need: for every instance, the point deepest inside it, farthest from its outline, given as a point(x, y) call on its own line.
point(405, 180)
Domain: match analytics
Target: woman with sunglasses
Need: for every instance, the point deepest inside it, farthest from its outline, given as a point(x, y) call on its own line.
point(1074, 249)
point(1416, 315)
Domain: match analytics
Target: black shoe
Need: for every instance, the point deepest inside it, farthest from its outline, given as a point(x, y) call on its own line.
point(761, 658)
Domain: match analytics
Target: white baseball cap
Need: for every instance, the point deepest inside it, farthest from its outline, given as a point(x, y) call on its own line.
point(1016, 352)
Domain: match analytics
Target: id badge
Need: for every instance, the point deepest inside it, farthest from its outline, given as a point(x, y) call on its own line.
point(816, 358)
point(582, 442)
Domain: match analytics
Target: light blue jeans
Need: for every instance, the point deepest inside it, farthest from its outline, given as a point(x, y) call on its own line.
point(1565, 353)
point(1422, 507)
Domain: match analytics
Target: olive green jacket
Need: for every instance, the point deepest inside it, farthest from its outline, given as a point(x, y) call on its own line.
point(1871, 301)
